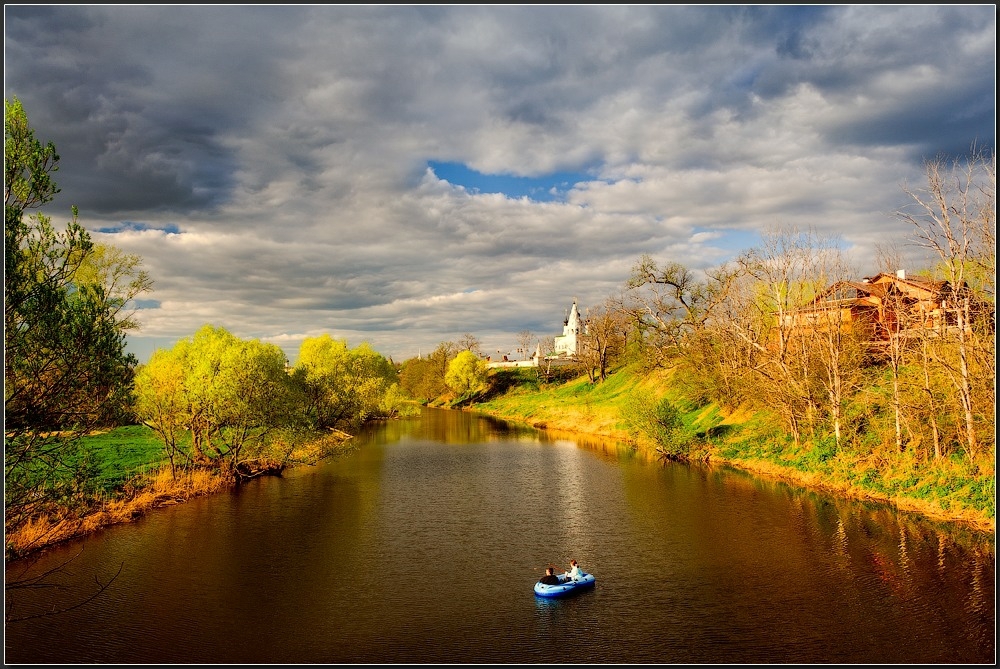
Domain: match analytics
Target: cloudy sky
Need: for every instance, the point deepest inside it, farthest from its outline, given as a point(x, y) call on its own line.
point(403, 175)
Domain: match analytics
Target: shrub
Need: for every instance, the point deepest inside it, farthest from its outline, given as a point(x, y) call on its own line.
point(658, 420)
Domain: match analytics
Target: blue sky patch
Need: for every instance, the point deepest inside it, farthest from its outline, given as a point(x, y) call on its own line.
point(133, 226)
point(147, 304)
point(547, 188)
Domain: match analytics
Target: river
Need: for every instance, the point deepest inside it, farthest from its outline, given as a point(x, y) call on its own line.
point(423, 544)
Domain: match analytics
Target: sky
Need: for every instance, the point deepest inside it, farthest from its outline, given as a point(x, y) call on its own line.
point(404, 175)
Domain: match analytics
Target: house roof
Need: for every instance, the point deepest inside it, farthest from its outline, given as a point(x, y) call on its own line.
point(876, 288)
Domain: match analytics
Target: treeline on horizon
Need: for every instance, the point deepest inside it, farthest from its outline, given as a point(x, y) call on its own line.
point(218, 401)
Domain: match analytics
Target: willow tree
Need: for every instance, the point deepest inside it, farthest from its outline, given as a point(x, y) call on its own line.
point(161, 402)
point(467, 374)
point(346, 386)
point(231, 395)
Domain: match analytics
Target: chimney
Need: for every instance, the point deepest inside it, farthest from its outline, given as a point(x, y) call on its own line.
point(901, 274)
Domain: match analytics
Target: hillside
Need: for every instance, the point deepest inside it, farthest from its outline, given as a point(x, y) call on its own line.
point(947, 490)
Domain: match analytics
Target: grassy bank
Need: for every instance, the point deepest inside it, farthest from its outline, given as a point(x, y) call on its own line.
point(128, 475)
point(950, 489)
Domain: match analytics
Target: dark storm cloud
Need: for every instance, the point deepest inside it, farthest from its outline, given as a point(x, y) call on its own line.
point(140, 98)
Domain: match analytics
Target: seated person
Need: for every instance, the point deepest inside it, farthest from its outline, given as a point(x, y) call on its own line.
point(574, 573)
point(550, 578)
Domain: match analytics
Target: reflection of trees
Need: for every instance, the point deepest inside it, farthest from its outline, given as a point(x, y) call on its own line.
point(21, 578)
point(884, 558)
point(449, 426)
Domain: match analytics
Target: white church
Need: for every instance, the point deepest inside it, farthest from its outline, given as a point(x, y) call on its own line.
point(566, 345)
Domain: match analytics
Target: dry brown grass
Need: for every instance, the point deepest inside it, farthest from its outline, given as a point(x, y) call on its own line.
point(154, 490)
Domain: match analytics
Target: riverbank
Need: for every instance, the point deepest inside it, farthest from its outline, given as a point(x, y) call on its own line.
point(944, 491)
point(593, 410)
point(142, 495)
point(156, 485)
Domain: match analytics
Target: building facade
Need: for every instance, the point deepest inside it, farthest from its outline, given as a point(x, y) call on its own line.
point(567, 344)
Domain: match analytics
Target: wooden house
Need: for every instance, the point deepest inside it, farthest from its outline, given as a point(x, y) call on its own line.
point(885, 305)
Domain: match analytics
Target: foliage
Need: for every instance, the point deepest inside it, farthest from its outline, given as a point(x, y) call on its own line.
point(657, 419)
point(346, 387)
point(67, 370)
point(227, 392)
point(752, 439)
point(467, 374)
point(423, 378)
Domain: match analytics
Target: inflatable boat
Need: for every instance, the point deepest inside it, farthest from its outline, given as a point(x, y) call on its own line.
point(565, 586)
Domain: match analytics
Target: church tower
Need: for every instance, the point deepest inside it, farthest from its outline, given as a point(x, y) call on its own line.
point(566, 343)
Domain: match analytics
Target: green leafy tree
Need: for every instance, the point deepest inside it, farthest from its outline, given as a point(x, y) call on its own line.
point(346, 387)
point(161, 401)
point(657, 419)
point(232, 395)
point(66, 369)
point(424, 378)
point(467, 374)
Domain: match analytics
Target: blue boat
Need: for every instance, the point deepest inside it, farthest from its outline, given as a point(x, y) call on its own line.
point(565, 586)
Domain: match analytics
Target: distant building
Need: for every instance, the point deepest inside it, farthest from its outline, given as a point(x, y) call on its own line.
point(567, 344)
point(889, 305)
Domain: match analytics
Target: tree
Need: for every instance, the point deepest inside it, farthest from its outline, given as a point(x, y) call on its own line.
point(422, 378)
point(346, 387)
point(835, 346)
point(66, 366)
point(466, 374)
point(161, 400)
point(604, 340)
point(668, 303)
point(785, 274)
point(526, 342)
point(231, 394)
point(954, 217)
point(470, 342)
point(419, 380)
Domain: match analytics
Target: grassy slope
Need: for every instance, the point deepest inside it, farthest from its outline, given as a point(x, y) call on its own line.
point(950, 490)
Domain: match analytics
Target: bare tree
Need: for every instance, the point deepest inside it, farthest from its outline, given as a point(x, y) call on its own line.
point(547, 344)
point(525, 344)
point(470, 342)
point(837, 344)
point(668, 302)
point(954, 217)
point(604, 339)
point(785, 278)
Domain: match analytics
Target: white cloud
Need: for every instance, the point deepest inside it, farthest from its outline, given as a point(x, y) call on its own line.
point(289, 146)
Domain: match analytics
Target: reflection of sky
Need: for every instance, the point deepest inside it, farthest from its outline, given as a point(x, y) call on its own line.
point(573, 510)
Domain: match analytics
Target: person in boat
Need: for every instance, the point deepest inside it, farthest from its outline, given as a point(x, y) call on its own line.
point(550, 577)
point(574, 572)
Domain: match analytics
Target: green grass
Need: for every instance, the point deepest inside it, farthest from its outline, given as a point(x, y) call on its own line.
point(757, 441)
point(118, 454)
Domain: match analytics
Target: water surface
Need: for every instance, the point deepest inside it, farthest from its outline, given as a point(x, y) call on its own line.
point(424, 543)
